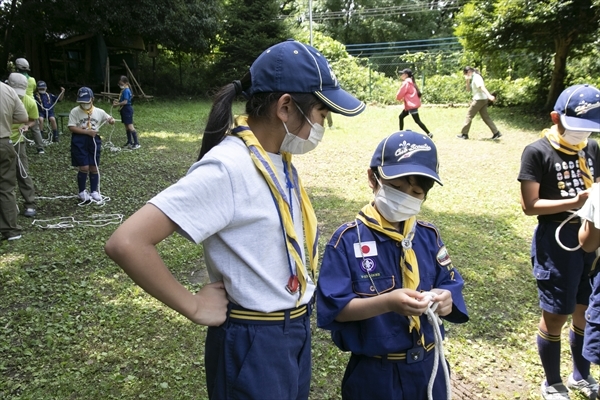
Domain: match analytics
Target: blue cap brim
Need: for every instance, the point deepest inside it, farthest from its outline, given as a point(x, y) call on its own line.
point(341, 102)
point(579, 124)
point(398, 171)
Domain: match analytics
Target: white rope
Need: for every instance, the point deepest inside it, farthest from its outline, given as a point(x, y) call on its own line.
point(435, 321)
point(96, 220)
point(557, 232)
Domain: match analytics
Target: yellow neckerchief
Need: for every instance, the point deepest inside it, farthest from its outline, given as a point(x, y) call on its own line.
point(89, 114)
point(559, 144)
point(265, 166)
point(409, 265)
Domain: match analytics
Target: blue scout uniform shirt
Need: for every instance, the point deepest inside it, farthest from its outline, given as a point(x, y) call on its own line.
point(45, 101)
point(343, 277)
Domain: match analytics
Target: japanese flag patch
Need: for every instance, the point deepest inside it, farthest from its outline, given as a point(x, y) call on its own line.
point(369, 249)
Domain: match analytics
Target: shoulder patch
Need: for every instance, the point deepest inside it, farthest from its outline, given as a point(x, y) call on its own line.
point(443, 258)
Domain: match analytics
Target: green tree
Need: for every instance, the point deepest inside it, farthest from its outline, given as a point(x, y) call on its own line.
point(544, 29)
point(250, 27)
point(180, 25)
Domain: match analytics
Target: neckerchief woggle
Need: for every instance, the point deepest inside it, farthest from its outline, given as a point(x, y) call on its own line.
point(263, 163)
point(559, 144)
point(409, 265)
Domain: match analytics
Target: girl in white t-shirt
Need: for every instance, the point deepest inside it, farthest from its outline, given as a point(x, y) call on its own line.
point(243, 200)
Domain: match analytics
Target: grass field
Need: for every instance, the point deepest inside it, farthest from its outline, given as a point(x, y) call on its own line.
point(74, 326)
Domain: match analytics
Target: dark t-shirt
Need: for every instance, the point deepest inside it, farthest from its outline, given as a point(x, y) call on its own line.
point(557, 173)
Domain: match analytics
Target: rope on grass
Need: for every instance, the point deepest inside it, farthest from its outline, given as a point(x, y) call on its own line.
point(96, 220)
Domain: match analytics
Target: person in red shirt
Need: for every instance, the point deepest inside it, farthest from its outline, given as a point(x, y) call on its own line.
point(410, 94)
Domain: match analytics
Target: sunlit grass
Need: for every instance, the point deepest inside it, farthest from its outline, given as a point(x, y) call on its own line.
point(73, 325)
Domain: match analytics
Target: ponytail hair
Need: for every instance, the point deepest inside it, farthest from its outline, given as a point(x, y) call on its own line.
point(220, 118)
point(409, 73)
point(469, 69)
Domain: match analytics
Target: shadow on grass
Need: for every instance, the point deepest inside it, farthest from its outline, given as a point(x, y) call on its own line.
point(75, 326)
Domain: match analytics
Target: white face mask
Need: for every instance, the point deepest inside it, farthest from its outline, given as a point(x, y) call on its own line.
point(42, 91)
point(395, 205)
point(121, 87)
point(574, 138)
point(296, 145)
point(86, 106)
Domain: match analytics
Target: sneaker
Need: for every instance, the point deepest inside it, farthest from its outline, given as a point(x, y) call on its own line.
point(430, 135)
point(84, 196)
point(16, 237)
point(497, 135)
point(558, 391)
point(96, 196)
point(40, 150)
point(588, 387)
point(461, 136)
point(30, 212)
point(55, 139)
point(135, 146)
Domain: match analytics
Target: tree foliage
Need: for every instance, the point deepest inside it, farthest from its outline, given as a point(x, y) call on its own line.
point(373, 21)
point(250, 27)
point(543, 29)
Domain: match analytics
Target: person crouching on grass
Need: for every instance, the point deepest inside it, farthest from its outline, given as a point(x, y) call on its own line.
point(373, 275)
point(84, 122)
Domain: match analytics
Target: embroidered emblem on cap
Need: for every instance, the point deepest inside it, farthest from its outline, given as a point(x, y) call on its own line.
point(406, 150)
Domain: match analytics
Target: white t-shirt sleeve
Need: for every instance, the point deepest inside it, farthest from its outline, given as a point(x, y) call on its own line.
point(591, 209)
point(201, 203)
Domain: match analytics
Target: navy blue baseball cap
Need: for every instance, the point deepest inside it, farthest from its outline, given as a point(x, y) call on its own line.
point(406, 153)
point(41, 85)
point(294, 67)
point(84, 95)
point(579, 108)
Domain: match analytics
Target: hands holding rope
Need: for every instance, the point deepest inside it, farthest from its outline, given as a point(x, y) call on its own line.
point(410, 302)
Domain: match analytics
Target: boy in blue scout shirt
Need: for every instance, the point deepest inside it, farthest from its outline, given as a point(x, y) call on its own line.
point(46, 102)
point(374, 272)
point(556, 174)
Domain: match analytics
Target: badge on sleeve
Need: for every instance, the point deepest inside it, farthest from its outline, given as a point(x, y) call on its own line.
point(443, 258)
point(365, 249)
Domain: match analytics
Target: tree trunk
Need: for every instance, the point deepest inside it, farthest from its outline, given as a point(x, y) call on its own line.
point(562, 46)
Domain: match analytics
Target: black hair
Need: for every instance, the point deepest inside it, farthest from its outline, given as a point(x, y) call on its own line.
point(410, 74)
point(220, 118)
point(469, 69)
point(124, 79)
point(422, 181)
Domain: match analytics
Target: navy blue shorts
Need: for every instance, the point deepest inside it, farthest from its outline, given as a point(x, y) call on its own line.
point(85, 150)
point(47, 113)
point(562, 276)
point(369, 378)
point(248, 360)
point(127, 114)
point(591, 339)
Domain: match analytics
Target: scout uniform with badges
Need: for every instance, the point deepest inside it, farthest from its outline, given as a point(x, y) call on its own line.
point(556, 171)
point(392, 354)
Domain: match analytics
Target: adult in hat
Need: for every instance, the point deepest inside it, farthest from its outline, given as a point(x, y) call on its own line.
point(375, 271)
point(245, 202)
point(11, 111)
point(557, 172)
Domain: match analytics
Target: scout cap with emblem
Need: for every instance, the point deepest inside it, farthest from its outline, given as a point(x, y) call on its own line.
point(84, 95)
point(579, 108)
point(406, 153)
point(294, 67)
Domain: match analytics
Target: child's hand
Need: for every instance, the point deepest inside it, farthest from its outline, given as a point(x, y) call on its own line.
point(23, 128)
point(115, 102)
point(111, 120)
point(62, 89)
point(408, 302)
point(211, 307)
point(91, 133)
point(444, 299)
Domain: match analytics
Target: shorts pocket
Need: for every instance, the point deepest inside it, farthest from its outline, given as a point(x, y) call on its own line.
point(541, 274)
point(592, 315)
